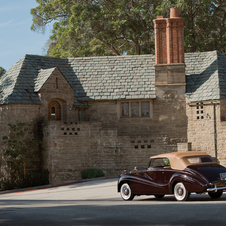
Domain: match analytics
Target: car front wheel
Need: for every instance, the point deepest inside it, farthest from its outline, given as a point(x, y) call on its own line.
point(180, 192)
point(215, 195)
point(126, 192)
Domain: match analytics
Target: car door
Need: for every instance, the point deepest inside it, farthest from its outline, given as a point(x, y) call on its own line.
point(160, 173)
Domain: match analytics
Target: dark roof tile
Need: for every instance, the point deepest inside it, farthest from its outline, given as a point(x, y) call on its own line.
point(112, 77)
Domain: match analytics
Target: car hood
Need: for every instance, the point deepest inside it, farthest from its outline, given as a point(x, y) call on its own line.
point(209, 171)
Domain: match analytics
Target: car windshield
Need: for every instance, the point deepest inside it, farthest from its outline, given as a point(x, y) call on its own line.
point(198, 159)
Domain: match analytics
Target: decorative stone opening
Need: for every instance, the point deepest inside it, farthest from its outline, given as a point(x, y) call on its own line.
point(199, 111)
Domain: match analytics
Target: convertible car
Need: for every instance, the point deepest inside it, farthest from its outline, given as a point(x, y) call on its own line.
point(178, 173)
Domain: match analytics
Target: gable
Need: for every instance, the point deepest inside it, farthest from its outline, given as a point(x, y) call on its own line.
point(52, 80)
point(42, 77)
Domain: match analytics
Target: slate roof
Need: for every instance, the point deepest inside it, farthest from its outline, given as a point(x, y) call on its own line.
point(111, 77)
point(206, 76)
point(92, 78)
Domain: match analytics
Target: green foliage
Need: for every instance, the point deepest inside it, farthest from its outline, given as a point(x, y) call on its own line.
point(87, 27)
point(92, 173)
point(21, 150)
point(30, 180)
point(2, 71)
point(107, 27)
point(205, 22)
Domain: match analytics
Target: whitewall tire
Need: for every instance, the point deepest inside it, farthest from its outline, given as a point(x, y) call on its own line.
point(180, 192)
point(126, 192)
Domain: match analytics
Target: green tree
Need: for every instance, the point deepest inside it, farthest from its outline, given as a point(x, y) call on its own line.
point(2, 71)
point(21, 149)
point(204, 23)
point(100, 27)
point(112, 27)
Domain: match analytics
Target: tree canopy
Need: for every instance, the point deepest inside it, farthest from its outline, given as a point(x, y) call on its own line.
point(115, 27)
point(2, 71)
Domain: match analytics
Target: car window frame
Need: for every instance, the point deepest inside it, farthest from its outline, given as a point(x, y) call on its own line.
point(159, 166)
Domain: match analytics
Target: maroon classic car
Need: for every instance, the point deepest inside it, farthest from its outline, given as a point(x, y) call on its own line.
point(178, 173)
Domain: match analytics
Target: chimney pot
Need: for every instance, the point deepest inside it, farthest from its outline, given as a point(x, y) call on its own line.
point(159, 17)
point(174, 12)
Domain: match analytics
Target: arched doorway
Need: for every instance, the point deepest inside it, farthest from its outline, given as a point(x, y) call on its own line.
point(54, 110)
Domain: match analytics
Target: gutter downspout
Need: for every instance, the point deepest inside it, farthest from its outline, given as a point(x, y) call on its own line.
point(215, 129)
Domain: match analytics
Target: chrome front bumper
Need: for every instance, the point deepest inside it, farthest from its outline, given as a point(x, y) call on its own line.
point(215, 189)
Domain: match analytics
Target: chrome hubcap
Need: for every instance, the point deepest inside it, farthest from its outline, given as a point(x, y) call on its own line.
point(180, 191)
point(126, 191)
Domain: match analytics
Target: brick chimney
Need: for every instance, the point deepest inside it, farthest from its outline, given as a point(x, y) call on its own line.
point(169, 49)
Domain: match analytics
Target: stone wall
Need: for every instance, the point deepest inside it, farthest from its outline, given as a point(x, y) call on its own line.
point(207, 128)
point(201, 127)
point(69, 148)
point(221, 131)
point(166, 124)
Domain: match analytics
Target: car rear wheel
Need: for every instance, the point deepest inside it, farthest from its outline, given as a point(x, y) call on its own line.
point(126, 192)
point(180, 192)
point(159, 196)
point(215, 195)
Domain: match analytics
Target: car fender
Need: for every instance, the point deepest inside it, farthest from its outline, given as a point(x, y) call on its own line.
point(133, 179)
point(191, 183)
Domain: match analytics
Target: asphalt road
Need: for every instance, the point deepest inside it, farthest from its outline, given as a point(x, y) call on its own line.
point(98, 203)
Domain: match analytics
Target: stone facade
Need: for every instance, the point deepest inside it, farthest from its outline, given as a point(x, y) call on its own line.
point(207, 128)
point(105, 140)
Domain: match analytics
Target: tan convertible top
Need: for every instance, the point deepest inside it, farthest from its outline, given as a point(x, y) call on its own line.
point(179, 160)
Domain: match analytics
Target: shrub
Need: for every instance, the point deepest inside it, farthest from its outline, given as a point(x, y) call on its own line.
point(6, 185)
point(30, 180)
point(92, 173)
point(20, 150)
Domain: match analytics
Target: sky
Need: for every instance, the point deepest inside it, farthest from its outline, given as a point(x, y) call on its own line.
point(16, 37)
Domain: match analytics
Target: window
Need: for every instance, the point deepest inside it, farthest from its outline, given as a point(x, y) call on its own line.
point(199, 159)
point(56, 83)
point(53, 112)
point(145, 109)
point(160, 162)
point(125, 109)
point(135, 109)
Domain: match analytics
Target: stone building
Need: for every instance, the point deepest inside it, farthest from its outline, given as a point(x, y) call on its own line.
point(114, 112)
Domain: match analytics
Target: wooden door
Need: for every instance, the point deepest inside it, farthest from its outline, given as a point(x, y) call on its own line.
point(54, 110)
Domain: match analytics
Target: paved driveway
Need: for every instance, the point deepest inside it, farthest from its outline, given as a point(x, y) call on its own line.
point(98, 203)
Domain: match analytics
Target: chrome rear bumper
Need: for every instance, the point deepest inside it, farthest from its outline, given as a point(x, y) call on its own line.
point(215, 189)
